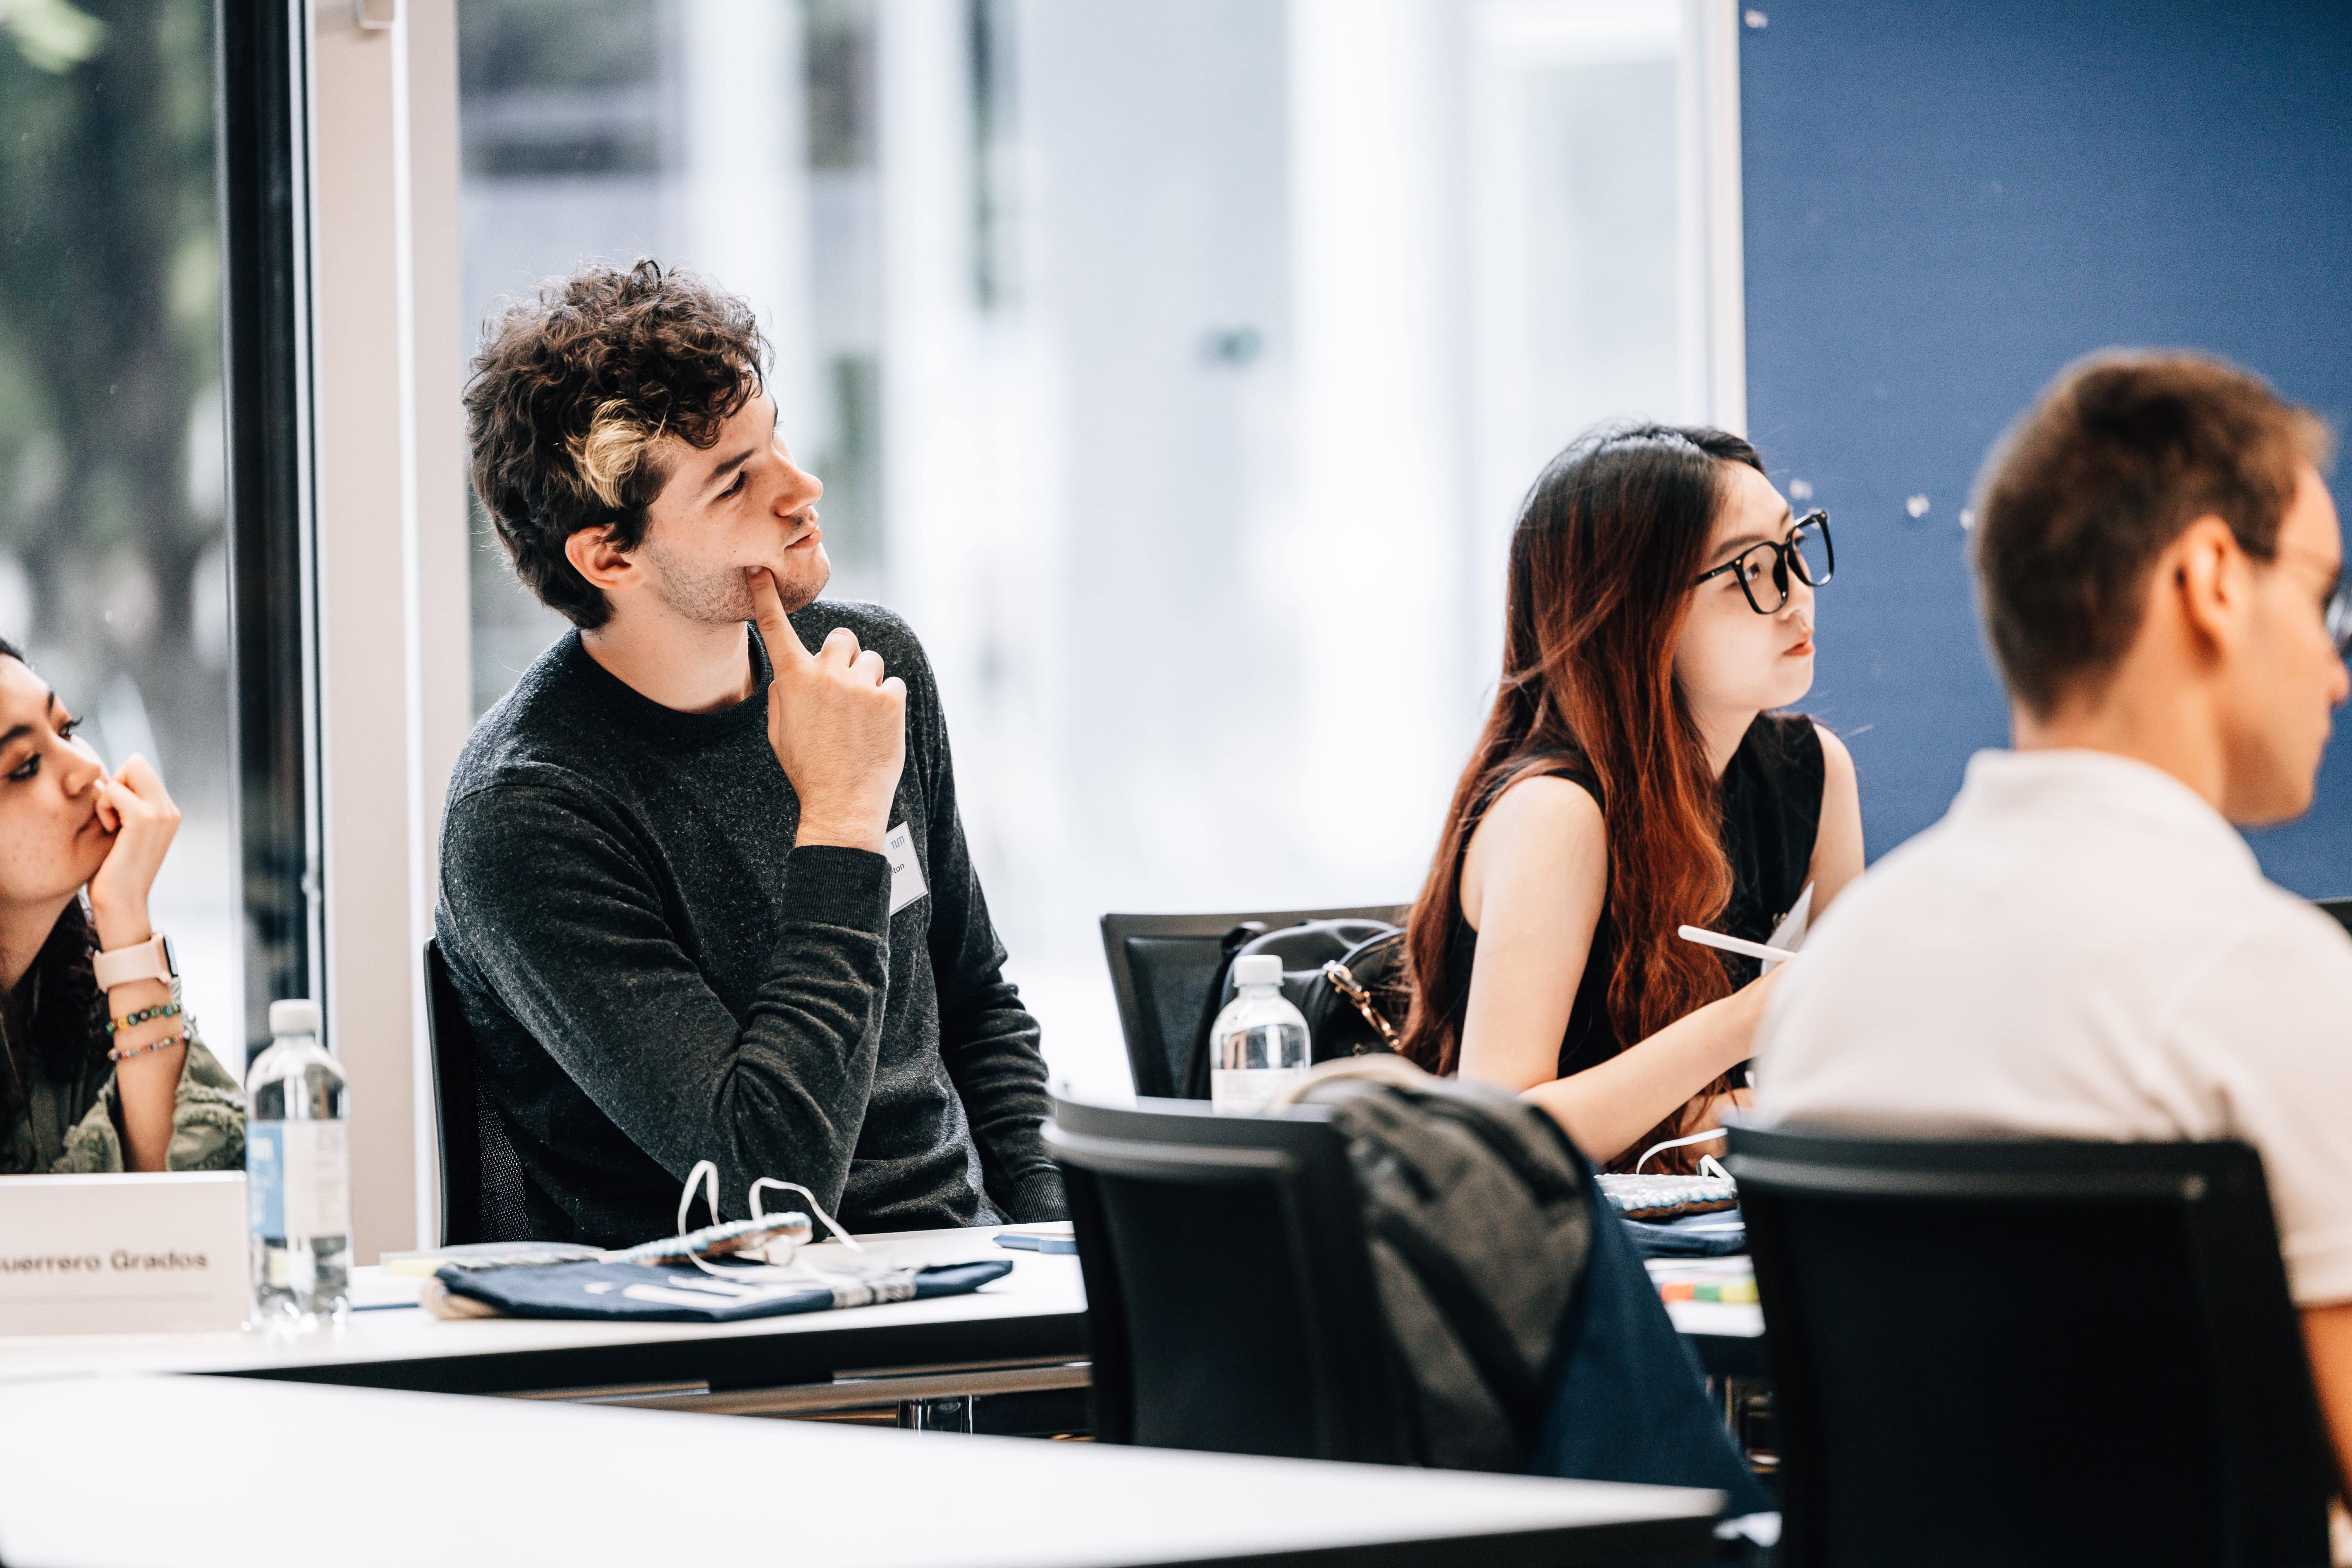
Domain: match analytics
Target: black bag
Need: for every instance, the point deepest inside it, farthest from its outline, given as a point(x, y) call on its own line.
point(1480, 1217)
point(1346, 976)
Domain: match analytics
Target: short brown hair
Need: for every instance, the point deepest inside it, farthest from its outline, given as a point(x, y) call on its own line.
point(2116, 460)
point(570, 395)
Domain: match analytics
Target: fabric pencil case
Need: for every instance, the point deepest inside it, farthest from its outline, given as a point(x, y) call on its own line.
point(632, 1291)
point(1667, 1197)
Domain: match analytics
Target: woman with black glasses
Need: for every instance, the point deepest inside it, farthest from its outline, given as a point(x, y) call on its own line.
point(1633, 777)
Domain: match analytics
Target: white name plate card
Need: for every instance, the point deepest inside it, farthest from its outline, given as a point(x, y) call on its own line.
point(122, 1255)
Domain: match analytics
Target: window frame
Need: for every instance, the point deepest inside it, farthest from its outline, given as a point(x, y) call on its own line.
point(260, 114)
point(346, 541)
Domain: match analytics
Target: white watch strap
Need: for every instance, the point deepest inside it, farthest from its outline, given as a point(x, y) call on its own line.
point(148, 960)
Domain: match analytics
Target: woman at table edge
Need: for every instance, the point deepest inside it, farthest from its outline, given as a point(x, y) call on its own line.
point(99, 1070)
point(1631, 777)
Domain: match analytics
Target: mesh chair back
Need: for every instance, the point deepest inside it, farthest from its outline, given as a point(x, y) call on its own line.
point(1163, 968)
point(481, 1177)
point(1229, 1288)
point(2031, 1352)
point(501, 1216)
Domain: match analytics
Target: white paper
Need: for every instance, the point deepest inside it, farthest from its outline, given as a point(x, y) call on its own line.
point(151, 1252)
point(1791, 933)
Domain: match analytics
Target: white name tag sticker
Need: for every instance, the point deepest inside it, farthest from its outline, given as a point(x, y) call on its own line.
point(123, 1254)
point(905, 872)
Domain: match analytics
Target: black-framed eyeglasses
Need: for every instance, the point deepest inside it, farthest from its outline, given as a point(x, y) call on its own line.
point(2337, 615)
point(2336, 609)
point(1763, 569)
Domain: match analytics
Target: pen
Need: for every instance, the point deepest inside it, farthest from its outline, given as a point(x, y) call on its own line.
point(1705, 938)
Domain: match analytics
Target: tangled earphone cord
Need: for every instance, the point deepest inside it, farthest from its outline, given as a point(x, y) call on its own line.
point(1707, 1136)
point(703, 1178)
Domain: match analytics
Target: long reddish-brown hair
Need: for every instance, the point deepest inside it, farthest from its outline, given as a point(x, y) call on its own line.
point(1603, 559)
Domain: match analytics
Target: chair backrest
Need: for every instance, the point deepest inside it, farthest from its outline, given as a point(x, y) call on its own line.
point(1161, 970)
point(481, 1178)
point(455, 1086)
point(2340, 908)
point(1230, 1297)
point(2031, 1352)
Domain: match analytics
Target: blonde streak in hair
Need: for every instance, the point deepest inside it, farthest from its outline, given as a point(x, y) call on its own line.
point(607, 456)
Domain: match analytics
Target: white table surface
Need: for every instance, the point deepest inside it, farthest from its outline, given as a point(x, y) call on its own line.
point(1040, 1284)
point(364, 1475)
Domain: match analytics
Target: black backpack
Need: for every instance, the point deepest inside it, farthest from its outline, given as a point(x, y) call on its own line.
point(1346, 976)
point(1479, 1216)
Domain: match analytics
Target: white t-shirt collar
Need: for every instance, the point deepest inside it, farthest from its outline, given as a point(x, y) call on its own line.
point(2101, 786)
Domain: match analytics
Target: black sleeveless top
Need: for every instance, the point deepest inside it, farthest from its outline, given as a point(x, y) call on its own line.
point(1771, 815)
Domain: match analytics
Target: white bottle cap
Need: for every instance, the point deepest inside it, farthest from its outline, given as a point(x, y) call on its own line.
point(294, 1015)
point(1257, 969)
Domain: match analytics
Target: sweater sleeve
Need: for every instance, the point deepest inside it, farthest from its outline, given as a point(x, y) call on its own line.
point(987, 1038)
point(562, 920)
point(208, 1123)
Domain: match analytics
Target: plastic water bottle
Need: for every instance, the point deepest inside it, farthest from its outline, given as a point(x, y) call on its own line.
point(1258, 1043)
point(298, 1173)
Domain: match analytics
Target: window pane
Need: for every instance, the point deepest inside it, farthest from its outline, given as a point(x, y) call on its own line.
point(113, 569)
point(1172, 365)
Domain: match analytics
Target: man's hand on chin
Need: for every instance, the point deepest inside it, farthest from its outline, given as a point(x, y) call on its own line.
point(837, 723)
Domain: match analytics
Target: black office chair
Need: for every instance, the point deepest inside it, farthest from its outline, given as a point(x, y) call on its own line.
point(2340, 908)
point(1162, 967)
point(481, 1178)
point(1230, 1300)
point(2031, 1352)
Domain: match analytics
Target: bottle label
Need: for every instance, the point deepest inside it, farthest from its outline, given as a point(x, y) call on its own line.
point(1248, 1091)
point(298, 1179)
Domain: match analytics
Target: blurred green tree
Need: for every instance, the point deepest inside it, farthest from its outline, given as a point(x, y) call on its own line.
point(110, 344)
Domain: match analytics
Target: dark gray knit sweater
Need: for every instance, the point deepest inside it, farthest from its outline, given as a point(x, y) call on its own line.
point(655, 975)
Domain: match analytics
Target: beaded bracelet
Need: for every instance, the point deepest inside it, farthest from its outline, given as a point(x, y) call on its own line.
point(124, 1053)
point(144, 1015)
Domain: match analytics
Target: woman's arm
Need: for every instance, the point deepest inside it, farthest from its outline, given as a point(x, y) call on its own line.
point(1837, 845)
point(146, 1084)
point(1533, 883)
point(1533, 880)
point(1607, 1106)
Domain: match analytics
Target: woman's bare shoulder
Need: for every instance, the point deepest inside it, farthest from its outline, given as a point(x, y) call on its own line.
point(1835, 758)
point(1544, 804)
point(1546, 828)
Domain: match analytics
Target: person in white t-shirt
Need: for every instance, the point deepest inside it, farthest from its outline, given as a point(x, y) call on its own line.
point(2084, 947)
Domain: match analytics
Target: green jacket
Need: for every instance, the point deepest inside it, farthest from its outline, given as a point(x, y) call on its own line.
point(75, 1128)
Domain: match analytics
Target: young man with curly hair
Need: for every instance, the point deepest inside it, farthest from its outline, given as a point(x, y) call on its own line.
point(704, 892)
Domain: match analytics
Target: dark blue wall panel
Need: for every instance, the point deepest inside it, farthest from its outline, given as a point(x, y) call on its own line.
point(1944, 204)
